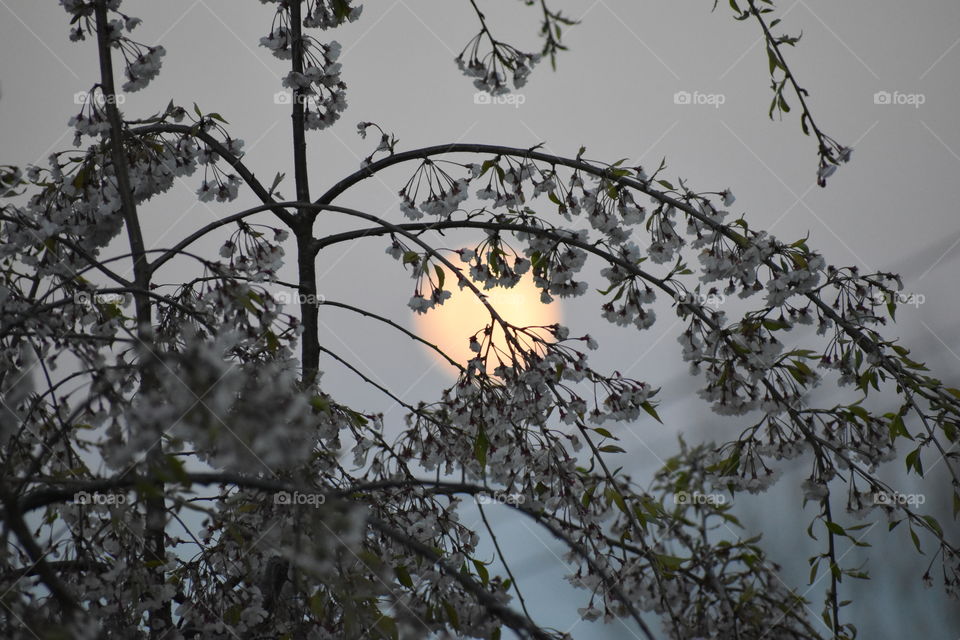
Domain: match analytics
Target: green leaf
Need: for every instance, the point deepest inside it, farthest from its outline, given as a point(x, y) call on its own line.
point(916, 540)
point(482, 572)
point(671, 563)
point(897, 428)
point(913, 461)
point(772, 60)
point(930, 520)
point(612, 448)
point(950, 430)
point(441, 275)
point(316, 603)
point(480, 447)
point(646, 406)
point(452, 615)
point(387, 626)
point(403, 576)
point(341, 9)
point(834, 528)
point(276, 181)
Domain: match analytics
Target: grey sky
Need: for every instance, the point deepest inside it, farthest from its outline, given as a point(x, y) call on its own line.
point(894, 207)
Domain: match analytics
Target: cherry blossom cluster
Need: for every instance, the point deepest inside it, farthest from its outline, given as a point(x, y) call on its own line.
point(491, 70)
point(329, 14)
point(318, 86)
point(90, 121)
point(627, 306)
point(207, 377)
point(219, 406)
point(493, 263)
point(504, 185)
point(432, 191)
point(182, 153)
point(430, 277)
point(387, 144)
point(141, 62)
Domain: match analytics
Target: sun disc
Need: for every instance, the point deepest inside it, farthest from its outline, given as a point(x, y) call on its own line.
point(450, 325)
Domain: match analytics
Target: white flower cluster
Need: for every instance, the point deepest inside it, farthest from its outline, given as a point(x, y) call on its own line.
point(325, 14)
point(505, 186)
point(143, 68)
point(492, 266)
point(738, 265)
point(90, 121)
point(15, 391)
point(490, 71)
point(444, 193)
point(628, 304)
point(319, 86)
point(253, 257)
point(556, 263)
point(219, 190)
point(82, 12)
point(512, 411)
point(237, 416)
point(665, 241)
point(800, 280)
point(599, 207)
point(426, 273)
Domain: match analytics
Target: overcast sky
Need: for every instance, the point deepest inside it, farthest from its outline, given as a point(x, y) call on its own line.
point(894, 207)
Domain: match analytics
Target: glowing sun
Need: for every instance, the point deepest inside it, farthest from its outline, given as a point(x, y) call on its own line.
point(450, 325)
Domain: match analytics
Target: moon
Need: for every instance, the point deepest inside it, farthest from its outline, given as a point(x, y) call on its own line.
point(450, 325)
